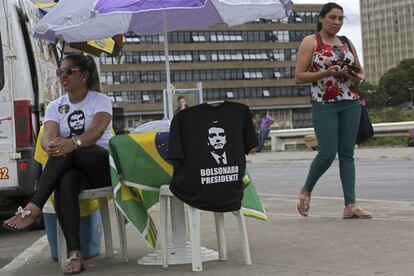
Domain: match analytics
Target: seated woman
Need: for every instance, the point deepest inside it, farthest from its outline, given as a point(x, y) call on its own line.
point(77, 128)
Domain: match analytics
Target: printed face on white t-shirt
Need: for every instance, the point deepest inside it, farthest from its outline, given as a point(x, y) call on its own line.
point(76, 123)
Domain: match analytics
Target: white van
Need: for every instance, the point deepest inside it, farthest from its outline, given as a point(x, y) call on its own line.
point(27, 84)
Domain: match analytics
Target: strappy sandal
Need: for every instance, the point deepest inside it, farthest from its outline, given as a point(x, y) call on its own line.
point(73, 257)
point(356, 213)
point(22, 213)
point(303, 205)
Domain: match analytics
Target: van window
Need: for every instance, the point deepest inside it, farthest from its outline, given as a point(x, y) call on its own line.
point(1, 66)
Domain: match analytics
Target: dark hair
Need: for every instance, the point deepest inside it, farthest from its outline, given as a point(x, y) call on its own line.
point(87, 63)
point(181, 97)
point(325, 10)
point(216, 124)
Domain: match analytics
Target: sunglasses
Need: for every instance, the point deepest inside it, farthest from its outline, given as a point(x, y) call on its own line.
point(67, 70)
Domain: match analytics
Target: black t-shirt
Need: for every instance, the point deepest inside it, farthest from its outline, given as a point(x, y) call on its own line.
point(208, 145)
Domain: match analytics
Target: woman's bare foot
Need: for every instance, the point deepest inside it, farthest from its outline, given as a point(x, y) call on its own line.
point(23, 219)
point(303, 204)
point(354, 211)
point(74, 264)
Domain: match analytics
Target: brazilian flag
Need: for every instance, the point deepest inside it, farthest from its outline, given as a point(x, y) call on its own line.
point(139, 166)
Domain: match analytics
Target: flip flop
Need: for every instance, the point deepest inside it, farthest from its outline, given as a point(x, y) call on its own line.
point(69, 260)
point(23, 214)
point(305, 202)
point(356, 213)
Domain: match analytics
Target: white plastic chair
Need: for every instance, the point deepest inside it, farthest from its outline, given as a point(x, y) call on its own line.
point(101, 194)
point(194, 225)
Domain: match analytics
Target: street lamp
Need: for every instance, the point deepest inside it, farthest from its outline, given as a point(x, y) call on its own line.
point(411, 89)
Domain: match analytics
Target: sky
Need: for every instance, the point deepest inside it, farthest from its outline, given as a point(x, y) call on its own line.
point(352, 25)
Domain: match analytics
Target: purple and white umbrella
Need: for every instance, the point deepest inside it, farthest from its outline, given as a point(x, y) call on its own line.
point(83, 20)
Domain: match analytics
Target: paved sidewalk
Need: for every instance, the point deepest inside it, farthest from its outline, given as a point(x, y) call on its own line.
point(365, 153)
point(323, 244)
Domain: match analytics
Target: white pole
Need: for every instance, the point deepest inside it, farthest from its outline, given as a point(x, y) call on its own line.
point(200, 92)
point(177, 206)
point(170, 88)
point(165, 103)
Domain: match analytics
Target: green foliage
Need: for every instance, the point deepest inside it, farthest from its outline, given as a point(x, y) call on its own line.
point(375, 118)
point(374, 96)
point(396, 81)
point(388, 141)
point(390, 114)
point(405, 116)
point(367, 89)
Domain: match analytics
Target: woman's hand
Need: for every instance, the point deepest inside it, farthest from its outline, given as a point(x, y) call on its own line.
point(343, 74)
point(337, 71)
point(60, 147)
point(356, 78)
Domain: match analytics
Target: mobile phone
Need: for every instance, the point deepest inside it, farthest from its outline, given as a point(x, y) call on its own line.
point(352, 69)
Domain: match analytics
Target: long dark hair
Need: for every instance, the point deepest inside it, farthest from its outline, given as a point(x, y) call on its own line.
point(325, 10)
point(87, 63)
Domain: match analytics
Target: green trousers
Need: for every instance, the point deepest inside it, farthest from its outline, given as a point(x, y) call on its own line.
point(336, 127)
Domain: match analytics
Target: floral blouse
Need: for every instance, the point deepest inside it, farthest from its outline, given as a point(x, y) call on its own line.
point(331, 89)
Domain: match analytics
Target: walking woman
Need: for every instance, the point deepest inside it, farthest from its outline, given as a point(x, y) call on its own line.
point(77, 128)
point(334, 71)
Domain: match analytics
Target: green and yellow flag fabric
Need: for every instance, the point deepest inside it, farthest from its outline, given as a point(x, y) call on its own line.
point(139, 166)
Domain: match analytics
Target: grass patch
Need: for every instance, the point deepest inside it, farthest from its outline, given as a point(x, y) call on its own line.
point(388, 141)
point(390, 114)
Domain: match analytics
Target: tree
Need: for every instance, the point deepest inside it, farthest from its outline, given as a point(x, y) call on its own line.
point(397, 81)
point(374, 96)
point(408, 66)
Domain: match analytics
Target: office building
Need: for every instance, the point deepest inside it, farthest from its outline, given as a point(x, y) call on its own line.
point(387, 35)
point(252, 63)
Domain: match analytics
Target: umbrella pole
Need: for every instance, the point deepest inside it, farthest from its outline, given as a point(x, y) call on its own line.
point(170, 87)
point(177, 206)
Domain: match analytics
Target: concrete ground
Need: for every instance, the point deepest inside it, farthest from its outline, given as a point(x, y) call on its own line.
point(322, 244)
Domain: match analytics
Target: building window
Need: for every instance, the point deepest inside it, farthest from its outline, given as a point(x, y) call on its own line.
point(227, 36)
point(145, 98)
point(198, 37)
point(118, 97)
point(277, 75)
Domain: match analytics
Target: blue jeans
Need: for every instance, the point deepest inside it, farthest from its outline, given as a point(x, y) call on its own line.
point(263, 133)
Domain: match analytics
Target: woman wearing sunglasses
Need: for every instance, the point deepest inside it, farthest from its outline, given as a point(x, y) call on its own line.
point(77, 128)
point(332, 67)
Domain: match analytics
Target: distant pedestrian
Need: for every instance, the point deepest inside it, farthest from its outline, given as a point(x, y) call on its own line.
point(181, 104)
point(255, 123)
point(267, 121)
point(333, 68)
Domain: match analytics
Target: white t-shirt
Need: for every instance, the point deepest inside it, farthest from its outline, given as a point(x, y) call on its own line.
point(75, 119)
